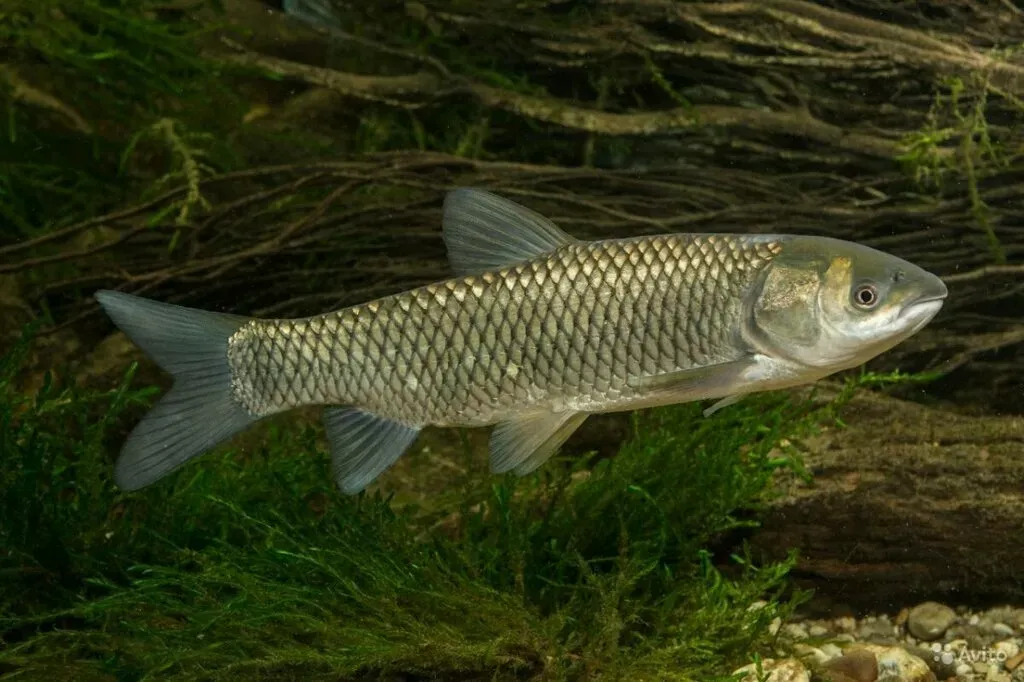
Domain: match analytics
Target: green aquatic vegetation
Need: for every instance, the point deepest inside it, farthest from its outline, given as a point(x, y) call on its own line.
point(188, 165)
point(663, 83)
point(78, 79)
point(248, 564)
point(955, 146)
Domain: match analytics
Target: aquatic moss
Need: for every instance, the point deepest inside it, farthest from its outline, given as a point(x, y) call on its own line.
point(78, 79)
point(958, 116)
point(249, 565)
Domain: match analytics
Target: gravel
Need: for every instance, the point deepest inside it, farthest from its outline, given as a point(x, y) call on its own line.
point(922, 643)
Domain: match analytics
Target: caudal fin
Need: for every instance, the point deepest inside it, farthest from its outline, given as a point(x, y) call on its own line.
point(199, 411)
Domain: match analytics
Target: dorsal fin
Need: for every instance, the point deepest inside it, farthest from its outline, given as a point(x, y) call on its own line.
point(484, 232)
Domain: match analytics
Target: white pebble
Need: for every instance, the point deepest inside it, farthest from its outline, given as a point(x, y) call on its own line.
point(805, 651)
point(846, 623)
point(975, 619)
point(817, 631)
point(1002, 629)
point(795, 630)
point(831, 650)
point(786, 670)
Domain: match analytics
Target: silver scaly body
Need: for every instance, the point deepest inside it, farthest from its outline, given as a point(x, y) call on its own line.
point(536, 331)
point(572, 330)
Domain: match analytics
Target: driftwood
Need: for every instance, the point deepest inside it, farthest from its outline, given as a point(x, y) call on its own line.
point(818, 71)
point(907, 503)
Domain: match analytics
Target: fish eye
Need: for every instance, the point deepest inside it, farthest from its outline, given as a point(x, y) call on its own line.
point(865, 296)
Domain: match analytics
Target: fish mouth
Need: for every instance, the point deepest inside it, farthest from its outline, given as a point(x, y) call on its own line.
point(927, 299)
point(930, 301)
point(924, 309)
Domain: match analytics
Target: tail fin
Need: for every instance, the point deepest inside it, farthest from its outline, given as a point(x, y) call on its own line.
point(199, 411)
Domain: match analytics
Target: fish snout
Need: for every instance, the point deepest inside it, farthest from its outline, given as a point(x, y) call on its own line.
point(935, 292)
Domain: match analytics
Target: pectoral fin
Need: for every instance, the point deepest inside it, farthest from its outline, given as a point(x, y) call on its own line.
point(724, 402)
point(363, 445)
point(700, 383)
point(522, 445)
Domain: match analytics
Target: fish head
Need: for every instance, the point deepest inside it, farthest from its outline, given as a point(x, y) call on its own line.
point(832, 304)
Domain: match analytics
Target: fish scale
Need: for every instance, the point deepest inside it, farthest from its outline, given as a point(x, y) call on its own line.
point(536, 331)
point(618, 310)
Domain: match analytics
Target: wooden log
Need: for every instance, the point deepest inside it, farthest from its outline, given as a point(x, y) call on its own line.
point(907, 503)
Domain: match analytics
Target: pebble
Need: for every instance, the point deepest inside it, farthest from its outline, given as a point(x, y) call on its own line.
point(831, 650)
point(785, 670)
point(874, 629)
point(930, 620)
point(972, 636)
point(1007, 649)
point(942, 661)
point(846, 624)
point(805, 651)
point(795, 630)
point(973, 646)
point(817, 630)
point(896, 664)
point(957, 645)
point(858, 665)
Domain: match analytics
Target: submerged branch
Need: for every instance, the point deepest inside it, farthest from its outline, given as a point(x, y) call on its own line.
point(423, 88)
point(24, 93)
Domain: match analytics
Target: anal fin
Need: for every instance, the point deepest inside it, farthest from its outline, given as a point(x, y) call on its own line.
point(363, 445)
point(522, 445)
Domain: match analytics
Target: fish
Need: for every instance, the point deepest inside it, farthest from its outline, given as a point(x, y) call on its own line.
point(535, 331)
